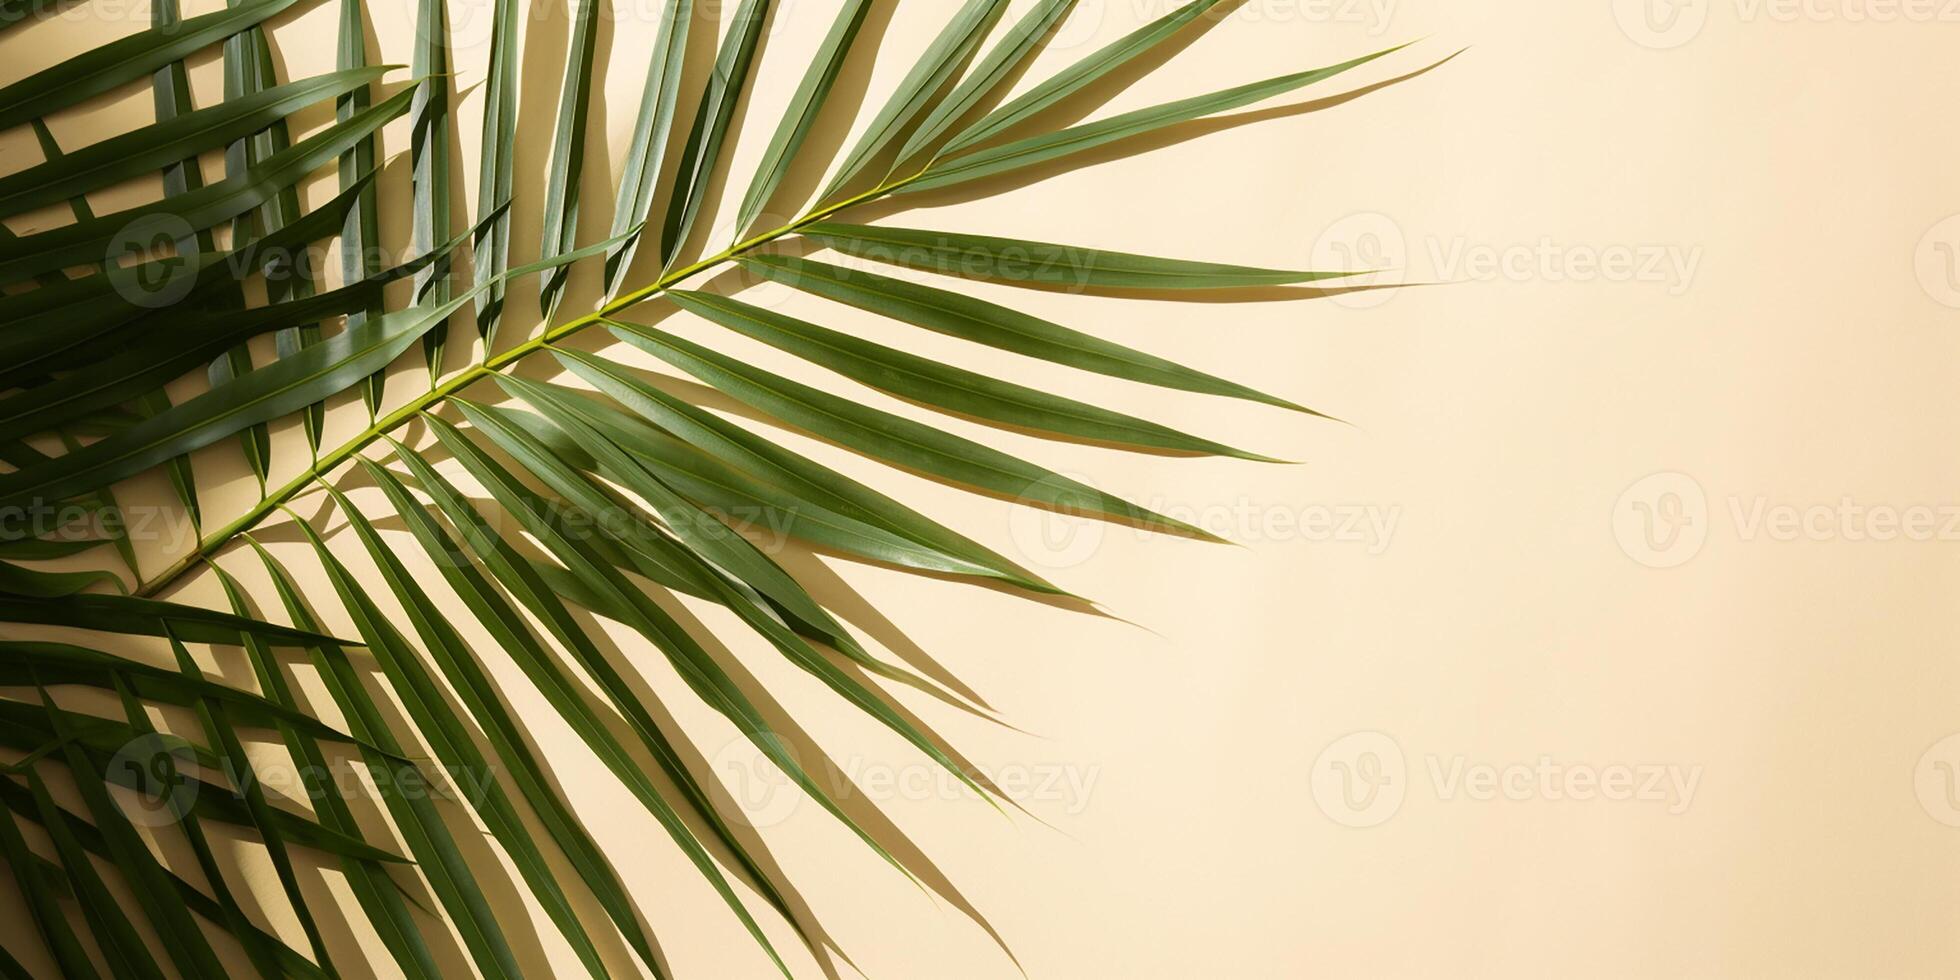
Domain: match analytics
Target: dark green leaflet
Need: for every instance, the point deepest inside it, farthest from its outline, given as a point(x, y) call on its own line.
point(182, 940)
point(122, 947)
point(379, 897)
point(1043, 263)
point(429, 162)
point(996, 326)
point(515, 574)
point(1006, 56)
point(403, 791)
point(652, 132)
point(1076, 77)
point(491, 254)
point(101, 69)
point(360, 233)
point(561, 204)
point(151, 361)
point(795, 475)
point(950, 50)
point(167, 144)
point(144, 617)
point(702, 156)
point(86, 241)
point(803, 110)
point(268, 393)
point(54, 327)
point(428, 709)
point(893, 438)
point(1054, 146)
point(701, 672)
point(480, 697)
point(943, 386)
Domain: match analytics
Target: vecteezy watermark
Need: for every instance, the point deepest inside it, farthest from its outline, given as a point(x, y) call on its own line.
point(153, 261)
point(1665, 24)
point(1362, 780)
point(1052, 539)
point(1374, 246)
point(163, 774)
point(1664, 520)
point(1936, 262)
point(171, 528)
point(766, 796)
point(1936, 780)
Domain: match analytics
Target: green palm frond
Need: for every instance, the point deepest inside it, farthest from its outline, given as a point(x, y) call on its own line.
point(580, 487)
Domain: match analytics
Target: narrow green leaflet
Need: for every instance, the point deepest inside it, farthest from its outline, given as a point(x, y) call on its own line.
point(997, 326)
point(517, 575)
point(88, 241)
point(1042, 263)
point(1006, 56)
point(1054, 146)
point(360, 233)
point(1077, 77)
point(701, 672)
point(428, 709)
point(429, 161)
point(560, 234)
point(65, 663)
point(256, 440)
point(491, 255)
point(182, 940)
point(222, 734)
point(796, 476)
point(942, 386)
point(804, 107)
point(265, 394)
point(378, 896)
point(702, 533)
point(34, 583)
point(164, 777)
point(404, 792)
point(57, 327)
point(652, 132)
point(145, 617)
point(168, 143)
point(731, 573)
point(893, 438)
point(103, 68)
point(123, 948)
point(939, 64)
point(701, 158)
point(49, 917)
point(485, 705)
point(186, 340)
point(722, 489)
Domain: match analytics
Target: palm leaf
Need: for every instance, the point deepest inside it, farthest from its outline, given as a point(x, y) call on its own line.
point(607, 488)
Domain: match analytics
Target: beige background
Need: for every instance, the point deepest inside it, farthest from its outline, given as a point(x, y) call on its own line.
point(1707, 251)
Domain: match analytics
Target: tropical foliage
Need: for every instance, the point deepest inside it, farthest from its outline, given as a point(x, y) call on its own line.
point(578, 487)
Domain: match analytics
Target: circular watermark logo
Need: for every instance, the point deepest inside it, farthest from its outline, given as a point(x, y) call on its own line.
point(1661, 521)
point(1936, 780)
point(1936, 262)
point(1661, 24)
point(1370, 244)
point(1360, 780)
point(153, 283)
point(1050, 539)
point(153, 766)
point(765, 796)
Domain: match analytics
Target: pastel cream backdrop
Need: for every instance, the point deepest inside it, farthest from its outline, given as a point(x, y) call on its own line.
point(1582, 652)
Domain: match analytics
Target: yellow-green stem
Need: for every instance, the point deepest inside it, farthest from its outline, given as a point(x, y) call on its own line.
point(491, 365)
